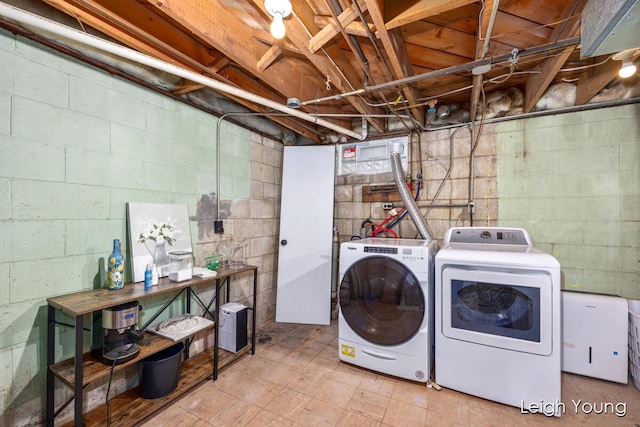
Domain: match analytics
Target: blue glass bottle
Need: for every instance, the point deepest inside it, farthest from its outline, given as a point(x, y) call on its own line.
point(115, 270)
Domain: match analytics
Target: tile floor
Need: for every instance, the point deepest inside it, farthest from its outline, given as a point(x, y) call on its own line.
point(296, 379)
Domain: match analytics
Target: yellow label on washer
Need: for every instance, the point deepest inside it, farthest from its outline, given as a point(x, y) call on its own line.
point(348, 351)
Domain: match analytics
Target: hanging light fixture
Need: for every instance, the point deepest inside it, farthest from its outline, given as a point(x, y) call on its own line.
point(628, 68)
point(279, 9)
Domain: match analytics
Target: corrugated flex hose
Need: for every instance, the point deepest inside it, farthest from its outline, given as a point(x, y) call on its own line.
point(407, 199)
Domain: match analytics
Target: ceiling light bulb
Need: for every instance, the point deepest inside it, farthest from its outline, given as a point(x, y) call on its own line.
point(277, 26)
point(279, 9)
point(628, 69)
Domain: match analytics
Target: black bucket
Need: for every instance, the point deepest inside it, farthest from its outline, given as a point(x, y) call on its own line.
point(160, 373)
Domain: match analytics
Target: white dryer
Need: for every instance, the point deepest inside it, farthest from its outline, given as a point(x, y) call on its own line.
point(385, 318)
point(497, 318)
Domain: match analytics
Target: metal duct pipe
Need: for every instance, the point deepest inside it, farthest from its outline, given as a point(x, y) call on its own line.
point(407, 199)
point(52, 27)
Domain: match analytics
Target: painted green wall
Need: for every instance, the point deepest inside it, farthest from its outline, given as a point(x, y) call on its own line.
point(76, 145)
point(573, 181)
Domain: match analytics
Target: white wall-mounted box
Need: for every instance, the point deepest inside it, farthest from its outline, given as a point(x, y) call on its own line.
point(370, 157)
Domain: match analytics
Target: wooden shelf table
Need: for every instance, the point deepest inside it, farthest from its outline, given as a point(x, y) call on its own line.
point(83, 368)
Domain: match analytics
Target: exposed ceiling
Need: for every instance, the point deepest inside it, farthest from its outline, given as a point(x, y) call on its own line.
point(375, 59)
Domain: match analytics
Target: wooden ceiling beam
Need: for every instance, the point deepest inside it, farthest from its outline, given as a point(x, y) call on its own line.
point(539, 83)
point(396, 50)
point(329, 73)
point(234, 39)
point(138, 20)
point(405, 12)
point(592, 80)
point(334, 27)
point(355, 50)
point(330, 63)
point(355, 28)
point(266, 38)
point(121, 29)
point(482, 41)
point(268, 58)
point(239, 78)
point(190, 86)
point(128, 39)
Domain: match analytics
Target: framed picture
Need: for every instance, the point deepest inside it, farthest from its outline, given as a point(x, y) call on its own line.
point(152, 225)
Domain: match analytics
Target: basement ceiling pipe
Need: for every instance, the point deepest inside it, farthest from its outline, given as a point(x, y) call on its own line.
point(573, 41)
point(407, 199)
point(49, 26)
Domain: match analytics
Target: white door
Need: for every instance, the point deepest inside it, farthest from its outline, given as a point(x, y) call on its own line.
point(306, 226)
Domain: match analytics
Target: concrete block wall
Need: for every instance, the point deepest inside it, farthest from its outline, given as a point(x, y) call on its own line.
point(78, 144)
point(429, 156)
point(573, 180)
point(570, 179)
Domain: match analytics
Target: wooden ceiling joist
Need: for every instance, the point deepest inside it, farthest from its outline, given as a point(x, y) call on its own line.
point(405, 12)
point(357, 57)
point(539, 83)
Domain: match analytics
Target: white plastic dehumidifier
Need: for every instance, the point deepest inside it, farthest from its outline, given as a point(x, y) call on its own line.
point(233, 327)
point(595, 332)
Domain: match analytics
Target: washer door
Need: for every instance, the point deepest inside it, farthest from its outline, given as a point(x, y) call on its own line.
point(382, 300)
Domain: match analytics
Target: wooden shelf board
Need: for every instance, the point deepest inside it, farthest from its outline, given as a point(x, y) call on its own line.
point(88, 301)
point(94, 368)
point(129, 408)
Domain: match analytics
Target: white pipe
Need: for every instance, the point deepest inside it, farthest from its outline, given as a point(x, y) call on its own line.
point(44, 24)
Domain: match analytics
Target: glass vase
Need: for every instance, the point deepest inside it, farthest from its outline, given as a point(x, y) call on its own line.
point(236, 254)
point(115, 268)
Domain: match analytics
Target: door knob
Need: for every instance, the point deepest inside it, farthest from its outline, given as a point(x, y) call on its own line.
point(283, 242)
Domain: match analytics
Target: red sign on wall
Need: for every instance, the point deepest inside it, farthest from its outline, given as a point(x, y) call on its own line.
point(349, 153)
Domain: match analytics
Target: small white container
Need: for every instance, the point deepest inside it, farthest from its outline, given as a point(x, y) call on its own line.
point(180, 266)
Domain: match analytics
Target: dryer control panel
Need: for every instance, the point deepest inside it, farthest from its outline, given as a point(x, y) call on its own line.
point(489, 235)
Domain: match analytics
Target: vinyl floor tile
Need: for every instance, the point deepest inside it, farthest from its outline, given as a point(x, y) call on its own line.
point(296, 379)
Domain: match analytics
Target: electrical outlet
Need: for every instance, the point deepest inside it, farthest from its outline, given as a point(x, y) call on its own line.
point(387, 206)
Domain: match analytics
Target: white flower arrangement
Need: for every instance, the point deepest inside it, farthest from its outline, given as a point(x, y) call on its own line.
point(159, 232)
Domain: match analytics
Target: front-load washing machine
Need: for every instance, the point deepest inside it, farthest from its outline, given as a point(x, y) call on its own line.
point(385, 317)
point(497, 318)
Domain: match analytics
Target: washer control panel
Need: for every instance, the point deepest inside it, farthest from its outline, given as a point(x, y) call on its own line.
point(406, 253)
point(489, 235)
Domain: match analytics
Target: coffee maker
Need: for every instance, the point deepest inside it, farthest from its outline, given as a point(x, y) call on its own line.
point(120, 329)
